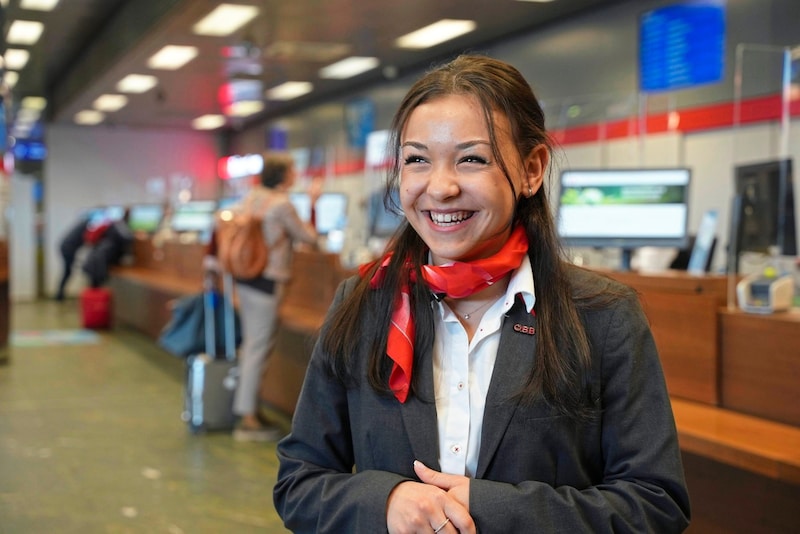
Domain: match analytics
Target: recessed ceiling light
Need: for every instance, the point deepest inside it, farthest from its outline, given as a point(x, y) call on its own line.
point(16, 58)
point(208, 122)
point(110, 103)
point(349, 67)
point(172, 57)
point(24, 32)
point(37, 5)
point(289, 90)
point(136, 83)
point(89, 117)
point(244, 108)
point(225, 19)
point(436, 33)
point(34, 102)
point(11, 78)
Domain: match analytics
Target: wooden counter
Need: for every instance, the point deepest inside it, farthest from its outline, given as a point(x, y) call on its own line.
point(760, 369)
point(682, 310)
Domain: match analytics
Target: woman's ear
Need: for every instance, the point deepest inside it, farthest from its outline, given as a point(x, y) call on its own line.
point(535, 165)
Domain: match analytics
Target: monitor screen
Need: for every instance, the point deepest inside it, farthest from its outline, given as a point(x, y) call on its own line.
point(145, 217)
point(331, 212)
point(301, 203)
point(767, 217)
point(625, 208)
point(330, 209)
point(383, 222)
point(194, 216)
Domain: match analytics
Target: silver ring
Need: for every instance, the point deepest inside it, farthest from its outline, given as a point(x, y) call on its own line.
point(440, 527)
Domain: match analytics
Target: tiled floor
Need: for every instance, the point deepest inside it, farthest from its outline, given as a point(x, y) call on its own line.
point(91, 440)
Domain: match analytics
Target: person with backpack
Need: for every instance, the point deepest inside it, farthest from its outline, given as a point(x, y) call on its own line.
point(259, 297)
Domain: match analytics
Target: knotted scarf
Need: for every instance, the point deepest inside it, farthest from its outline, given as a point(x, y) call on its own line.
point(455, 280)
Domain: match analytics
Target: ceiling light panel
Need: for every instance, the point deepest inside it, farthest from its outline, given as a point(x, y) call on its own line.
point(436, 33)
point(349, 67)
point(208, 122)
point(89, 117)
point(38, 5)
point(34, 102)
point(225, 19)
point(136, 83)
point(289, 90)
point(24, 32)
point(110, 103)
point(16, 58)
point(172, 57)
point(11, 78)
point(244, 108)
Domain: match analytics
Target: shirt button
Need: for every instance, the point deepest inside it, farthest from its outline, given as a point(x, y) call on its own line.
point(455, 449)
point(460, 386)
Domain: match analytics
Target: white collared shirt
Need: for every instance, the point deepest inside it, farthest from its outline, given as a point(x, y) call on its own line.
point(462, 373)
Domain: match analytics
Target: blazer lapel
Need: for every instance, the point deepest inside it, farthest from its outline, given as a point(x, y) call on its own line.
point(419, 415)
point(515, 356)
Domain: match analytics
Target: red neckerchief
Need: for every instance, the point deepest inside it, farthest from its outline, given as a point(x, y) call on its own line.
point(455, 280)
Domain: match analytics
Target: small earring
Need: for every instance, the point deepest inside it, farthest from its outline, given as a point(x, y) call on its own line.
point(530, 191)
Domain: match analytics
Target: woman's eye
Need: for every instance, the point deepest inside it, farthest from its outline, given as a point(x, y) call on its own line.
point(474, 159)
point(413, 159)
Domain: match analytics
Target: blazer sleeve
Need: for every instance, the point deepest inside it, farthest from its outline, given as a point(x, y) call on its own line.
point(318, 490)
point(636, 483)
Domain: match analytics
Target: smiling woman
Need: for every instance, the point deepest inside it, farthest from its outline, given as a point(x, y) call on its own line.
point(446, 394)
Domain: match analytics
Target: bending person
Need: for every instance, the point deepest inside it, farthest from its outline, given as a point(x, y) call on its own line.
point(472, 380)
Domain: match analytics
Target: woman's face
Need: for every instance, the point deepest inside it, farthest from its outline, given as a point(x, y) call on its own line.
point(452, 189)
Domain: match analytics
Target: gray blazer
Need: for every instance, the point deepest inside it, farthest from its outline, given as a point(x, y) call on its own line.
point(538, 471)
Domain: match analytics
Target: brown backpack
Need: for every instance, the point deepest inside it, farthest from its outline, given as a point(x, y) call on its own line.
point(241, 248)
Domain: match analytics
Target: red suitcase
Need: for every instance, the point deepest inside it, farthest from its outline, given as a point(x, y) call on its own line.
point(96, 307)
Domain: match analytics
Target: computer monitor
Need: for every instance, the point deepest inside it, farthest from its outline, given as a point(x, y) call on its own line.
point(194, 216)
point(145, 217)
point(767, 208)
point(330, 210)
point(382, 220)
point(625, 208)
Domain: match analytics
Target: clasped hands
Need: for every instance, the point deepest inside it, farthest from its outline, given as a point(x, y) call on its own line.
point(425, 506)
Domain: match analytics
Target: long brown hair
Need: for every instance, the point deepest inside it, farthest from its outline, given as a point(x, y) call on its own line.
point(562, 363)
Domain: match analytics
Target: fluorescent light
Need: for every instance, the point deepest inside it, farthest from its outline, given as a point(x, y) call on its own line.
point(172, 57)
point(136, 83)
point(537, 1)
point(243, 108)
point(225, 19)
point(208, 122)
point(37, 5)
point(24, 32)
point(436, 33)
point(289, 90)
point(89, 117)
point(16, 58)
point(349, 67)
point(110, 102)
point(34, 102)
point(11, 78)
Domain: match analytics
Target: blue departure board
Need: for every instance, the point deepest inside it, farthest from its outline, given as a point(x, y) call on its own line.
point(682, 45)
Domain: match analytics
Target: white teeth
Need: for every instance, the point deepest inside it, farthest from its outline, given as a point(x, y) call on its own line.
point(450, 218)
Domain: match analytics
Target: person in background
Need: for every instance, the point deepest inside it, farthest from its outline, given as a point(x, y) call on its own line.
point(260, 297)
point(472, 380)
point(70, 244)
point(109, 249)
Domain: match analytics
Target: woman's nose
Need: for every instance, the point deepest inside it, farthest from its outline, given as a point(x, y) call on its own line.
point(443, 183)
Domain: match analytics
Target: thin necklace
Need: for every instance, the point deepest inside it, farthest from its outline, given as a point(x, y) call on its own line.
point(469, 314)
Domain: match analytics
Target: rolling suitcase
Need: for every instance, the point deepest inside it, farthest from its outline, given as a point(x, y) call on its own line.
point(211, 379)
point(96, 307)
